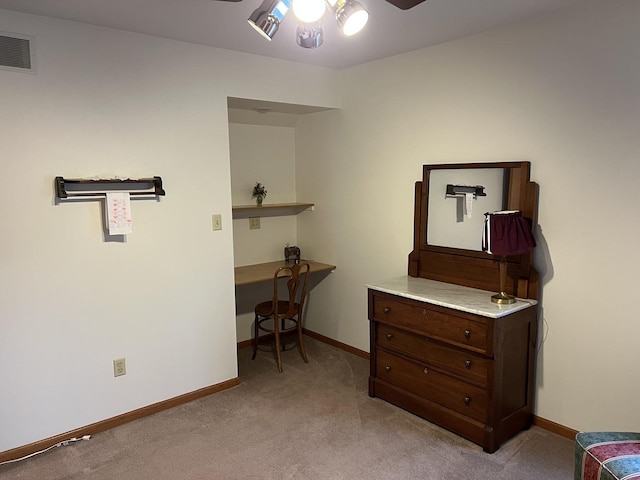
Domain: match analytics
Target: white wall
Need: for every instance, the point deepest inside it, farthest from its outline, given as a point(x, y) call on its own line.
point(264, 154)
point(562, 92)
point(106, 103)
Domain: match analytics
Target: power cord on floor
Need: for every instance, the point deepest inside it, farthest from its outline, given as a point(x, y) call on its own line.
point(64, 443)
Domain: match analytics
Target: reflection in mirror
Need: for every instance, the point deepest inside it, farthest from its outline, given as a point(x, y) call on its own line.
point(452, 221)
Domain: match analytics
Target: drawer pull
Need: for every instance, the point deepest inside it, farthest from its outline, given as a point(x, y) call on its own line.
point(386, 309)
point(426, 370)
point(467, 400)
point(467, 333)
point(387, 368)
point(389, 336)
point(424, 311)
point(467, 363)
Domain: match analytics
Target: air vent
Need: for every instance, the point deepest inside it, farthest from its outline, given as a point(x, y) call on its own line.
point(16, 52)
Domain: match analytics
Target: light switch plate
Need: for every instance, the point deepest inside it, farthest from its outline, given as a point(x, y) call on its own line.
point(254, 223)
point(217, 221)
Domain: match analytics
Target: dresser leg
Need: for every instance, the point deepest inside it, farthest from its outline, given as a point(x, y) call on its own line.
point(489, 445)
point(372, 387)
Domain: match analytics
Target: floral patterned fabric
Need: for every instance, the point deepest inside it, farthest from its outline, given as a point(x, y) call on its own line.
point(607, 456)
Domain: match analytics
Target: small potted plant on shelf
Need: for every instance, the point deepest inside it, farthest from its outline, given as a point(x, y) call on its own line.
point(259, 192)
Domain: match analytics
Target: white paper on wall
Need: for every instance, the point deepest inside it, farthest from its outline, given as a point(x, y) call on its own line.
point(118, 213)
point(468, 203)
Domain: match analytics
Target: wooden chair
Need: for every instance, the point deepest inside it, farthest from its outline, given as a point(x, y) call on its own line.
point(281, 315)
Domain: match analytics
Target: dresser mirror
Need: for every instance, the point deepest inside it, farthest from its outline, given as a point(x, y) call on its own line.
point(450, 203)
point(455, 219)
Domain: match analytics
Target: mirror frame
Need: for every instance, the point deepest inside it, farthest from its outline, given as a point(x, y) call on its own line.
point(473, 268)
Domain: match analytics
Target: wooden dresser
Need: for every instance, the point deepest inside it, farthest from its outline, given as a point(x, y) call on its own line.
point(440, 348)
point(449, 355)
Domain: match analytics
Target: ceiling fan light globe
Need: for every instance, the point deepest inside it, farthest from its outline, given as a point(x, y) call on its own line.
point(355, 23)
point(308, 11)
point(265, 24)
point(351, 17)
point(309, 36)
point(267, 17)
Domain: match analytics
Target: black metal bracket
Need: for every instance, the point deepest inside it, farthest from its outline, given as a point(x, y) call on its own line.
point(80, 187)
point(458, 190)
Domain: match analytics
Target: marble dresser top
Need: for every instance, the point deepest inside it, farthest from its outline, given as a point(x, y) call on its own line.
point(466, 299)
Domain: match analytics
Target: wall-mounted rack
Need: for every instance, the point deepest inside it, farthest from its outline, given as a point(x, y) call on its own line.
point(67, 188)
point(460, 190)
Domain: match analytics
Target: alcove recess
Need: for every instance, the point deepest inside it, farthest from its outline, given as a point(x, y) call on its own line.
point(274, 114)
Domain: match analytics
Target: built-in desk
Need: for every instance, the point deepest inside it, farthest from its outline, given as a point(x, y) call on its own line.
point(263, 272)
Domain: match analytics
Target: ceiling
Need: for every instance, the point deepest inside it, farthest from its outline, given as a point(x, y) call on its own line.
point(390, 31)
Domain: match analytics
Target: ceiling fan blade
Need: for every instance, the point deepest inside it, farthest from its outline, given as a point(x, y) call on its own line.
point(405, 4)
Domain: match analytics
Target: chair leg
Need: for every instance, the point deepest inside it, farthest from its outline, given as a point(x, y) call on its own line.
point(302, 350)
point(255, 338)
point(284, 339)
point(278, 354)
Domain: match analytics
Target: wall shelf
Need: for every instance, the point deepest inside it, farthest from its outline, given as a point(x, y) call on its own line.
point(270, 210)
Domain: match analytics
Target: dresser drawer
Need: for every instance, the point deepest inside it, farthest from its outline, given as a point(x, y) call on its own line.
point(454, 394)
point(433, 323)
point(460, 362)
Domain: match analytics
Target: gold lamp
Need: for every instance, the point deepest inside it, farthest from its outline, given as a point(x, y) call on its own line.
point(506, 233)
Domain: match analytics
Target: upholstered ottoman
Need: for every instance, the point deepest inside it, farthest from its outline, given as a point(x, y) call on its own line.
point(607, 456)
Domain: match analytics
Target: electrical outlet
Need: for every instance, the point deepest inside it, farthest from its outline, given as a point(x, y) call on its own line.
point(119, 367)
point(254, 223)
point(217, 221)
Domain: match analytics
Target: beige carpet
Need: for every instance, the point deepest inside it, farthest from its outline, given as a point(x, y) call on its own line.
point(313, 421)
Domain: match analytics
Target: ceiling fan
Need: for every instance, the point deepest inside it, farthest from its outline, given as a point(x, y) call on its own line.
point(401, 4)
point(350, 15)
